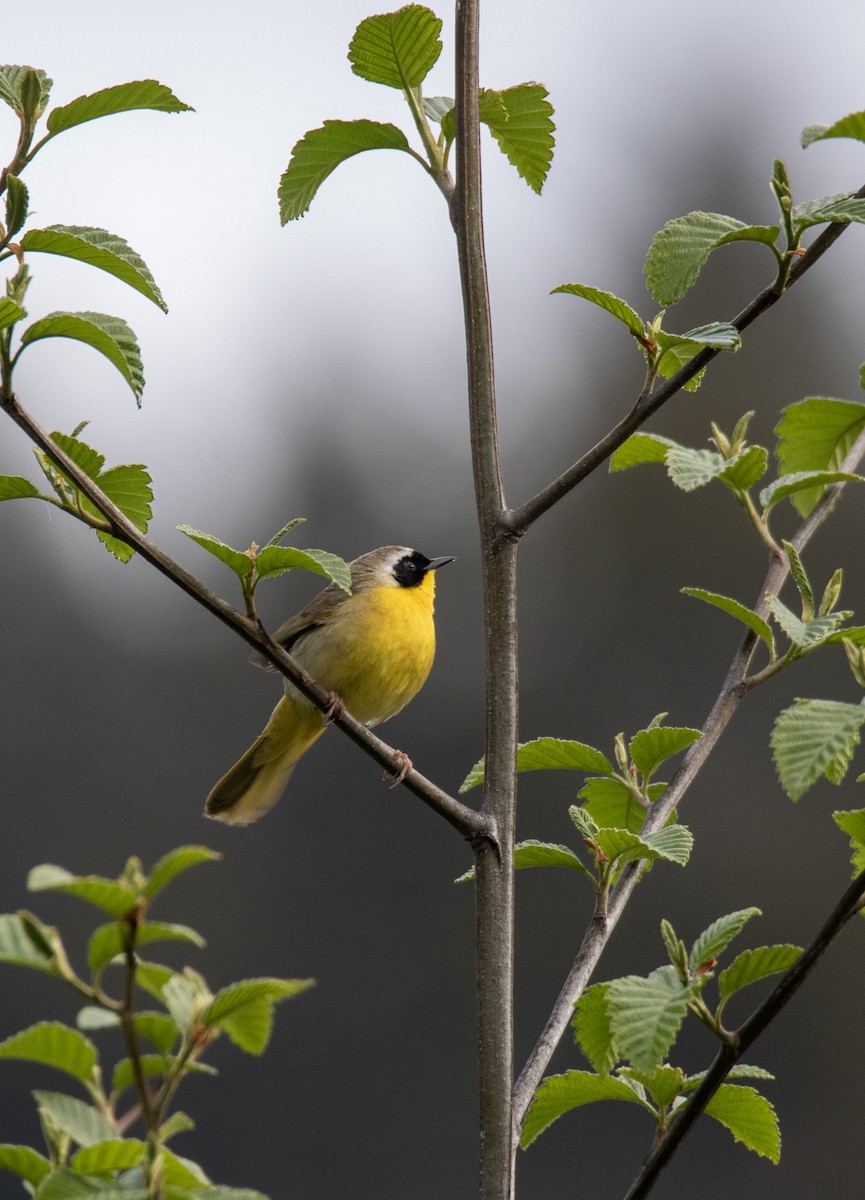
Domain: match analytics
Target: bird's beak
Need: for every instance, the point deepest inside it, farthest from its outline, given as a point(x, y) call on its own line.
point(435, 563)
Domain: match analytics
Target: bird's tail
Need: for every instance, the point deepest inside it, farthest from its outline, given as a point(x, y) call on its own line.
point(256, 781)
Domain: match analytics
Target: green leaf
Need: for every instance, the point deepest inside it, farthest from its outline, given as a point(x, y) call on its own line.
point(241, 564)
point(114, 1154)
point(752, 965)
point(174, 863)
point(127, 487)
point(523, 128)
point(673, 843)
point(321, 151)
point(851, 126)
point(124, 1075)
point(645, 1015)
point(816, 434)
point(436, 107)
point(84, 1124)
point(547, 754)
point(803, 634)
point(749, 1117)
point(106, 942)
point(650, 747)
point(10, 312)
point(592, 1030)
point(108, 894)
point(245, 1010)
point(532, 853)
point(744, 469)
point(397, 49)
point(642, 448)
point(610, 803)
point(853, 823)
point(153, 977)
point(677, 349)
point(91, 1016)
point(663, 1085)
point(179, 998)
point(23, 944)
point(586, 826)
point(811, 482)
point(607, 301)
point(111, 336)
point(746, 615)
point(15, 487)
point(717, 936)
point(54, 1045)
point(274, 560)
point(559, 1094)
point(286, 529)
point(17, 204)
point(679, 251)
point(825, 210)
point(100, 249)
point(182, 1173)
point(66, 1184)
point(226, 1193)
point(800, 578)
point(25, 90)
point(24, 1162)
point(122, 97)
point(620, 845)
point(158, 1029)
point(814, 738)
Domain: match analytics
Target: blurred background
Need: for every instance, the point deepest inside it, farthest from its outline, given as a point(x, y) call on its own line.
point(318, 371)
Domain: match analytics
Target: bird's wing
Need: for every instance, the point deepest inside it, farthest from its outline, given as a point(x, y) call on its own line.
point(316, 613)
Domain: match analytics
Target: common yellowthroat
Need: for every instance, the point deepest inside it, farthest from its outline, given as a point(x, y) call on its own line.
point(373, 649)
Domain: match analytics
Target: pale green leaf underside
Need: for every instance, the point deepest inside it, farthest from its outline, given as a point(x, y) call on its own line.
point(803, 634)
point(321, 151)
point(111, 336)
point(84, 1124)
point(824, 210)
point(814, 738)
point(18, 948)
point(605, 300)
point(13, 84)
point(396, 49)
point(122, 97)
point(749, 1117)
point(559, 1094)
point(680, 250)
point(100, 249)
point(851, 126)
point(645, 1015)
point(746, 615)
point(816, 434)
point(523, 127)
point(800, 481)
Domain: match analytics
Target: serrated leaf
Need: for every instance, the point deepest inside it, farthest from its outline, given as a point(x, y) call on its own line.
point(642, 448)
point(673, 843)
point(66, 1184)
point(274, 560)
point(25, 90)
point(436, 107)
point(106, 942)
point(100, 249)
point(816, 434)
point(620, 845)
point(559, 1094)
point(114, 1154)
point(717, 936)
point(675, 350)
point(124, 1075)
point(645, 1015)
point(749, 1117)
point(181, 999)
point(286, 529)
point(183, 1173)
point(84, 1124)
point(24, 1162)
point(54, 1045)
point(525, 134)
point(853, 824)
point(814, 738)
point(397, 49)
point(803, 481)
point(825, 210)
point(663, 1085)
point(740, 1071)
point(532, 853)
point(108, 894)
point(174, 863)
point(851, 126)
point(607, 301)
point(804, 634)
point(744, 469)
point(127, 487)
point(746, 615)
point(241, 564)
point(679, 251)
point(122, 97)
point(158, 1029)
point(800, 578)
point(320, 152)
point(15, 487)
point(547, 754)
point(651, 747)
point(610, 803)
point(585, 824)
point(17, 203)
point(110, 336)
point(691, 469)
point(20, 948)
point(243, 1009)
point(592, 1030)
point(152, 978)
point(752, 965)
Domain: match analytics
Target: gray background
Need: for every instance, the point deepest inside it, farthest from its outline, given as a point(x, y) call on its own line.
point(318, 371)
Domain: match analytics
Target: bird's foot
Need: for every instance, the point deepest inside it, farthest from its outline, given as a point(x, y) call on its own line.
point(396, 777)
point(335, 709)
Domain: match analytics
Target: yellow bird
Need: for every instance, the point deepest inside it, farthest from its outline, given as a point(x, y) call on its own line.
point(372, 649)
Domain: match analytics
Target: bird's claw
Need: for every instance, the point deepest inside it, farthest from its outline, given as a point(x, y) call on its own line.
point(396, 777)
point(335, 709)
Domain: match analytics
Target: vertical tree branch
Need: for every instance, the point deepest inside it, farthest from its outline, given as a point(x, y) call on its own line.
point(494, 869)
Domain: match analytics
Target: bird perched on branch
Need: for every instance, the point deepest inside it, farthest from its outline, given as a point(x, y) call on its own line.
point(372, 650)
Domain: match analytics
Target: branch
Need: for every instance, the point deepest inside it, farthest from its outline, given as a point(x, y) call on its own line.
point(515, 522)
point(731, 1052)
point(735, 688)
point(473, 826)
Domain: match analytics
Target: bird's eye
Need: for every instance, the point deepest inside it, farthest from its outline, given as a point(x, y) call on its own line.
point(410, 569)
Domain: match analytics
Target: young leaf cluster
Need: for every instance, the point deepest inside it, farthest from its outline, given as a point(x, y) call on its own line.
point(398, 50)
point(627, 1027)
point(615, 802)
point(88, 1148)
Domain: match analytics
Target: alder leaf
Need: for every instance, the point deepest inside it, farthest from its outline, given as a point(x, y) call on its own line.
point(397, 49)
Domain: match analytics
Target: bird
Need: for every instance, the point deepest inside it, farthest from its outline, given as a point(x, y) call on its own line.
point(372, 650)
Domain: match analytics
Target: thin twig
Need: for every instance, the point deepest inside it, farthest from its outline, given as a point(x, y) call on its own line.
point(731, 1052)
point(473, 826)
point(733, 691)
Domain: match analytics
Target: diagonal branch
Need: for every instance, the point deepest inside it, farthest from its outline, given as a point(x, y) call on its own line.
point(515, 522)
point(732, 1051)
point(735, 688)
point(474, 826)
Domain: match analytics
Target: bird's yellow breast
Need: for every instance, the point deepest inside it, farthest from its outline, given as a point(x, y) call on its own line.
point(375, 649)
